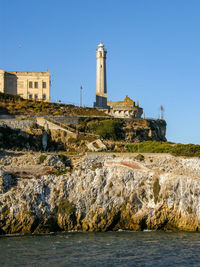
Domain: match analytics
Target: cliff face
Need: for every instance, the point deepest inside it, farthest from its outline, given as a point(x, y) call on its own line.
point(101, 193)
point(128, 130)
point(27, 134)
point(145, 130)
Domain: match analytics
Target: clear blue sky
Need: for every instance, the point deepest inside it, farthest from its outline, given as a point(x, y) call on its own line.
point(153, 52)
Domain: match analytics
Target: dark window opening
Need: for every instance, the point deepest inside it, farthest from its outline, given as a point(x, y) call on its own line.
point(36, 84)
point(30, 85)
point(44, 85)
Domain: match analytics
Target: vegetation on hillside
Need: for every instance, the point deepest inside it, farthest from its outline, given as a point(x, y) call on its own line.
point(110, 129)
point(188, 150)
point(14, 104)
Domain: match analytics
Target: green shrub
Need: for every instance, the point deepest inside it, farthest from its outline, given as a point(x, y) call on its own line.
point(42, 158)
point(110, 129)
point(188, 150)
point(9, 97)
point(65, 160)
point(92, 127)
point(59, 172)
point(140, 157)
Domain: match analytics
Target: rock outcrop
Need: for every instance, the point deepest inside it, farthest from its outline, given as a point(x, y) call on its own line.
point(144, 130)
point(32, 134)
point(101, 192)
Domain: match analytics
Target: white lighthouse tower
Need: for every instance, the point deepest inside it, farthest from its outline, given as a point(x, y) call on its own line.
point(101, 85)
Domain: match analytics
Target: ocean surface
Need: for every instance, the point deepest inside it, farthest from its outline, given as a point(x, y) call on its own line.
point(102, 249)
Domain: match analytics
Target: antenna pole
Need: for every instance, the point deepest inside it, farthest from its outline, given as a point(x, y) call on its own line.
point(81, 88)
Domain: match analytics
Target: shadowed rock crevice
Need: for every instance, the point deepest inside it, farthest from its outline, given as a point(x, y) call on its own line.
point(7, 181)
point(156, 190)
point(115, 220)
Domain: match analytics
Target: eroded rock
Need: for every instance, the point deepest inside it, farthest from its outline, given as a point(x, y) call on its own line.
point(104, 192)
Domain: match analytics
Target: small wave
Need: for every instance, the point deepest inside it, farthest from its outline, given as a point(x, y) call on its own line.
point(126, 231)
point(147, 230)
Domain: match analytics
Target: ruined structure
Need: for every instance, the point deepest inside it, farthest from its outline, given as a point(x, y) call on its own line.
point(28, 85)
point(121, 109)
point(125, 109)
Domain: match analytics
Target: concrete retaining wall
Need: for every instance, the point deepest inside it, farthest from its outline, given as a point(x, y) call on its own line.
point(63, 120)
point(17, 124)
point(52, 126)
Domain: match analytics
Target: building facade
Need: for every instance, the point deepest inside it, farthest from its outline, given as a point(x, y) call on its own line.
point(28, 85)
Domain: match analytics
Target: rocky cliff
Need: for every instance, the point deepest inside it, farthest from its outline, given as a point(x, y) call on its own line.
point(144, 130)
point(128, 130)
point(100, 192)
point(26, 133)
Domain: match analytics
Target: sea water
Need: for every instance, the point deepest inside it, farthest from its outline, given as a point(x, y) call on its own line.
point(102, 249)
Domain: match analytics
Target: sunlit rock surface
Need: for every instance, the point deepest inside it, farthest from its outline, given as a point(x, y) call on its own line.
point(101, 192)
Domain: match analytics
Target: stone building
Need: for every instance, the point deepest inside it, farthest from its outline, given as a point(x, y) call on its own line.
point(125, 109)
point(28, 85)
point(119, 109)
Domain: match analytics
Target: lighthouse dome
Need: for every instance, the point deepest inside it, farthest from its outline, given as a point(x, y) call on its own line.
point(100, 46)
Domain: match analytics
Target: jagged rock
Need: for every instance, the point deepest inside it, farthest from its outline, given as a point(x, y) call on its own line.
point(144, 130)
point(6, 182)
point(54, 160)
point(105, 192)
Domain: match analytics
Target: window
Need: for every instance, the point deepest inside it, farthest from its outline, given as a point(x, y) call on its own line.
point(44, 96)
point(30, 84)
point(44, 85)
point(36, 96)
point(30, 96)
point(36, 84)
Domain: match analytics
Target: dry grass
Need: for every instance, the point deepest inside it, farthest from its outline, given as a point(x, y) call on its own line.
point(13, 104)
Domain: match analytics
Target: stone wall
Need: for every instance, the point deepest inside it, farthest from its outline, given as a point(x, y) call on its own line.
point(52, 126)
point(65, 119)
point(22, 124)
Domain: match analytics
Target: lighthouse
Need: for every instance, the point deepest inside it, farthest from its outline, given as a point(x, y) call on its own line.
point(101, 84)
